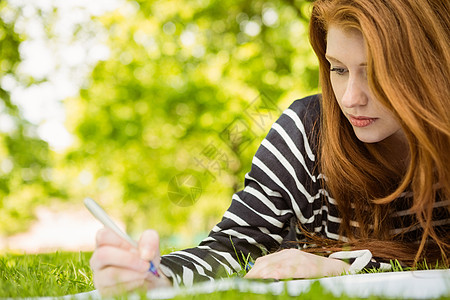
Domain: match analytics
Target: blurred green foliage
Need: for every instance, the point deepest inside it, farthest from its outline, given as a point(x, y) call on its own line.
point(182, 78)
point(25, 160)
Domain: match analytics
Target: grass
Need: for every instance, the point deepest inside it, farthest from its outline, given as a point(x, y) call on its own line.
point(53, 274)
point(64, 273)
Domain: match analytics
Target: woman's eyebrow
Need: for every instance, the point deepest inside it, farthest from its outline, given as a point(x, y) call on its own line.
point(331, 58)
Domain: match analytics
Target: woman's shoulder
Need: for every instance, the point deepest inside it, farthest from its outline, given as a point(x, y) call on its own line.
point(309, 105)
point(292, 142)
point(305, 110)
point(301, 120)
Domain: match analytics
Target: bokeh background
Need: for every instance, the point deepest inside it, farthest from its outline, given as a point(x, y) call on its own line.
point(152, 108)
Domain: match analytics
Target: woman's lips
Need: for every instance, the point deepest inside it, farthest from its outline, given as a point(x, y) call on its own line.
point(361, 121)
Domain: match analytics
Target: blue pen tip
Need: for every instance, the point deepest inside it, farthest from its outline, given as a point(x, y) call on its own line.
point(153, 269)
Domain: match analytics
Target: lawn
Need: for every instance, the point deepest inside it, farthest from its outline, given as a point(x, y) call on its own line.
point(54, 274)
point(64, 273)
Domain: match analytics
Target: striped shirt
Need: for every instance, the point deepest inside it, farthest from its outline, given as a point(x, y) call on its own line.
point(283, 187)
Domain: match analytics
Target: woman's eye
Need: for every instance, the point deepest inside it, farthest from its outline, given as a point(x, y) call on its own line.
point(339, 71)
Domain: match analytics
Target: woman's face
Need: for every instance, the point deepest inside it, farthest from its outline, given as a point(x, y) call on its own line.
point(346, 53)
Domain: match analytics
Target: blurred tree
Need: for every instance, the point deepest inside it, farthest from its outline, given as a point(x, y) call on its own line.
point(190, 87)
point(166, 127)
point(25, 160)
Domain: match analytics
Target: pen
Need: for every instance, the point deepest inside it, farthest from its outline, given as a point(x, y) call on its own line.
point(98, 212)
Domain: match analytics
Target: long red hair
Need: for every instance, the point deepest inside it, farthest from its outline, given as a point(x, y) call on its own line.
point(408, 69)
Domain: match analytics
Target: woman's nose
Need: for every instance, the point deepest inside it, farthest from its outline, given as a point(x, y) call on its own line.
point(355, 93)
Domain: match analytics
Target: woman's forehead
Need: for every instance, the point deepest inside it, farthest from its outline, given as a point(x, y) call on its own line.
point(345, 45)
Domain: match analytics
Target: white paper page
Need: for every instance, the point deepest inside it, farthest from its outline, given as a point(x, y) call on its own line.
point(399, 285)
point(406, 285)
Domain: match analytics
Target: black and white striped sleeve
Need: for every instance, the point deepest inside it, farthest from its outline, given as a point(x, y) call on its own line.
point(279, 187)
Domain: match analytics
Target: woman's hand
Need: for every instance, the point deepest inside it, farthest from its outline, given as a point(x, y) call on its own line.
point(118, 267)
point(294, 263)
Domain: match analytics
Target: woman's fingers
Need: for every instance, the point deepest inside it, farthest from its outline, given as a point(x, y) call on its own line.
point(111, 275)
point(294, 263)
point(118, 267)
point(149, 246)
point(149, 251)
point(117, 270)
point(106, 256)
point(266, 267)
point(106, 236)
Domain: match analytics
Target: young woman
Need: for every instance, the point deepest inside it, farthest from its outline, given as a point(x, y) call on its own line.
point(364, 167)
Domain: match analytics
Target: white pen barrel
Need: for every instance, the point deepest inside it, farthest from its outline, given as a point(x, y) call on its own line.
point(103, 217)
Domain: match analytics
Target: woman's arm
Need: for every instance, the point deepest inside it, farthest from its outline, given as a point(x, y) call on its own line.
point(279, 188)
